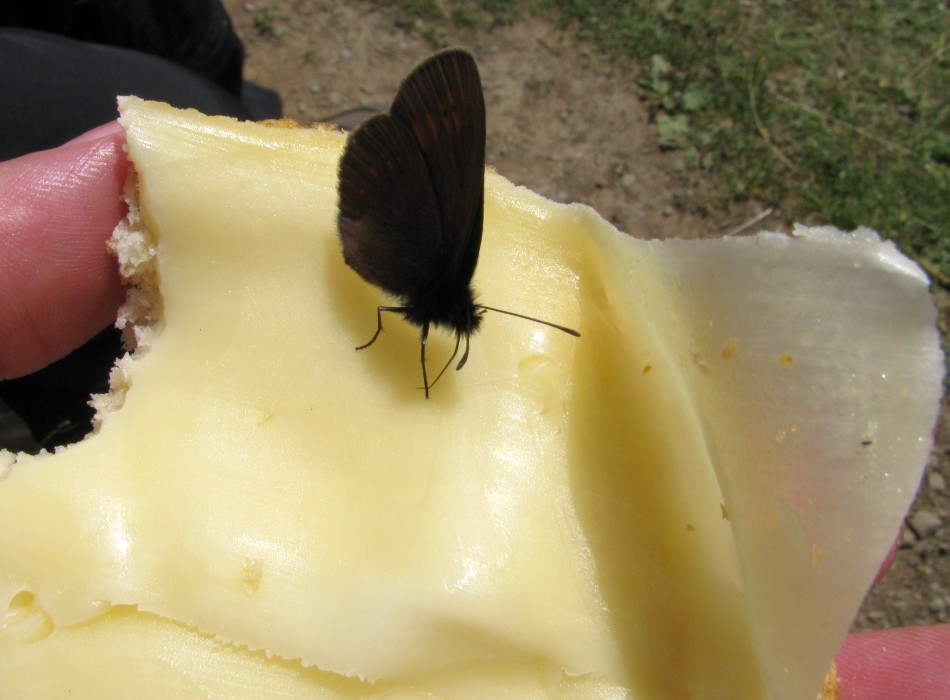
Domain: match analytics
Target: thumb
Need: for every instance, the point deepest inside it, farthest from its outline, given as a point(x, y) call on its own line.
point(59, 285)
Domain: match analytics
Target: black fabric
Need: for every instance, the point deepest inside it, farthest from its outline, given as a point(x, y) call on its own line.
point(54, 88)
point(195, 34)
point(54, 402)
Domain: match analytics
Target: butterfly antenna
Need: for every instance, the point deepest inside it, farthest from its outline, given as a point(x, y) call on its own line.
point(379, 324)
point(569, 331)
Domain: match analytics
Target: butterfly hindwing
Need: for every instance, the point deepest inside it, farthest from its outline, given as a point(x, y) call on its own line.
point(442, 103)
point(389, 219)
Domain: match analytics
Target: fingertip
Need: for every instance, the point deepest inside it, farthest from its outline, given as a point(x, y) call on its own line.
point(912, 663)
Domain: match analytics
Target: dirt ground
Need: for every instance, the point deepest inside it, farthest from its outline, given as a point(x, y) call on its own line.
point(567, 123)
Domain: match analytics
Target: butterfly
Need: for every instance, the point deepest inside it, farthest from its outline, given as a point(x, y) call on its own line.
point(411, 201)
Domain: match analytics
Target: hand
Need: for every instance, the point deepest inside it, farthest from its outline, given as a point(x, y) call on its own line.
point(59, 285)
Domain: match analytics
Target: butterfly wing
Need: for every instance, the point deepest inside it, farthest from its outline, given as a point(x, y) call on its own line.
point(388, 219)
point(442, 103)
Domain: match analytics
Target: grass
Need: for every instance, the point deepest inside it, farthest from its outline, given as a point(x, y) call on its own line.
point(265, 22)
point(829, 112)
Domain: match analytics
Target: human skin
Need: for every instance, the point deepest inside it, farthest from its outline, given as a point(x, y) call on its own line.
point(59, 286)
point(904, 662)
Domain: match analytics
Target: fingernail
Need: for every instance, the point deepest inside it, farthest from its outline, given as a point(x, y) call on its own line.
point(100, 132)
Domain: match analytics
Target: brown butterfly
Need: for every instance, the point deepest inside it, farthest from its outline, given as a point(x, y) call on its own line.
point(412, 190)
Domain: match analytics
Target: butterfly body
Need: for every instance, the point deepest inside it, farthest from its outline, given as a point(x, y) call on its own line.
point(411, 200)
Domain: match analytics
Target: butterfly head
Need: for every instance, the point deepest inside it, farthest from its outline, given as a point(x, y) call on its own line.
point(456, 311)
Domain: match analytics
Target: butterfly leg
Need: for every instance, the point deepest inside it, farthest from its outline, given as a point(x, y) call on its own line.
point(455, 352)
point(379, 324)
point(464, 359)
point(422, 345)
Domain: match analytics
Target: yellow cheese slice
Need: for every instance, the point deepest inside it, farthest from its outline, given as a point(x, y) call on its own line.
point(686, 502)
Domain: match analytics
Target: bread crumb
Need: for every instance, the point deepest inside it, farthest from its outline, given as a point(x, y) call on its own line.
point(831, 689)
point(140, 317)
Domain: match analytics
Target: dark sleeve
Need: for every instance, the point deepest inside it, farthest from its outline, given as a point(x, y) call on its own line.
point(53, 88)
point(195, 34)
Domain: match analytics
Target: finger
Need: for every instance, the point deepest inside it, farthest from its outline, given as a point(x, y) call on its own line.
point(911, 663)
point(58, 283)
point(889, 559)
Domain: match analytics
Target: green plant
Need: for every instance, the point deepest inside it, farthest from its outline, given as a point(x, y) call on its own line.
point(264, 20)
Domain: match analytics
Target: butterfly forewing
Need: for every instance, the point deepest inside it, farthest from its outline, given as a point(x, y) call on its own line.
point(388, 220)
point(442, 103)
